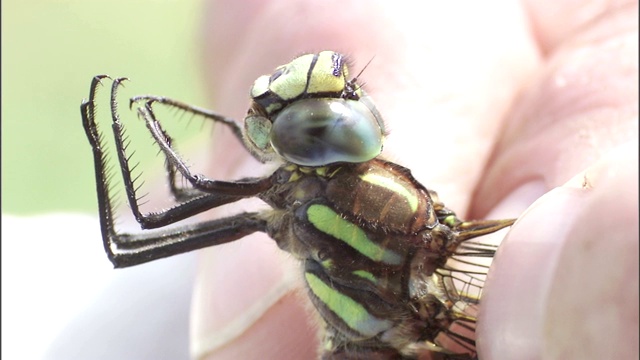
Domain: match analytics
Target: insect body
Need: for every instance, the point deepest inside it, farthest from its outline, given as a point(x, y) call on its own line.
point(374, 243)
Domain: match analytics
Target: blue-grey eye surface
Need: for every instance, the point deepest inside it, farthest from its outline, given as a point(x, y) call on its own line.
point(316, 132)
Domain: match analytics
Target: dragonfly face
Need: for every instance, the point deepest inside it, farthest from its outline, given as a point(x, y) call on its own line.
point(375, 245)
point(310, 114)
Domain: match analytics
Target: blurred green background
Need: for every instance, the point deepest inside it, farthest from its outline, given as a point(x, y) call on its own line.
point(50, 51)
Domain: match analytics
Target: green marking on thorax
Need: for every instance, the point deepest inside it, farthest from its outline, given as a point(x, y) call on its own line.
point(449, 220)
point(329, 222)
point(351, 312)
point(366, 275)
point(327, 264)
point(389, 184)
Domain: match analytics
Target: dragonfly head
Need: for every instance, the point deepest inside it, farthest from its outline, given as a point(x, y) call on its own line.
point(310, 114)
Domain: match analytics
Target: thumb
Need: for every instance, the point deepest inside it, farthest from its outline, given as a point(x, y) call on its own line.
point(565, 281)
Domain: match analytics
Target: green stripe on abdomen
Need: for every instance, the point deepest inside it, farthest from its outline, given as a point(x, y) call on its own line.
point(330, 223)
point(352, 313)
point(366, 275)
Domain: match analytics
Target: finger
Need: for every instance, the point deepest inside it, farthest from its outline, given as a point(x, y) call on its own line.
point(580, 104)
point(565, 280)
point(247, 305)
point(556, 22)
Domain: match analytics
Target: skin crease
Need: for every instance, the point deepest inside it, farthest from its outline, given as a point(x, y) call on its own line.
point(506, 101)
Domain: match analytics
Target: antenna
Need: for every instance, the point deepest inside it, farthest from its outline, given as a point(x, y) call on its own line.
point(363, 69)
point(351, 87)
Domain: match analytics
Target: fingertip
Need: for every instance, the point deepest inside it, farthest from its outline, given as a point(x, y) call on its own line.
point(283, 332)
point(245, 302)
point(594, 294)
point(568, 270)
point(514, 296)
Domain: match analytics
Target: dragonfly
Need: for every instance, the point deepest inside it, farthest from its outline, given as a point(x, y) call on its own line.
point(390, 270)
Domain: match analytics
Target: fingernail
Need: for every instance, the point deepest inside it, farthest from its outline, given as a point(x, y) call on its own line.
point(514, 296)
point(513, 206)
point(593, 298)
point(518, 200)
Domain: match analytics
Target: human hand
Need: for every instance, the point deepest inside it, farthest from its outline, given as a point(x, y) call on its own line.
point(565, 281)
point(492, 105)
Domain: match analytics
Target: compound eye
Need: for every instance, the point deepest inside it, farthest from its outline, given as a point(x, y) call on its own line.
point(317, 132)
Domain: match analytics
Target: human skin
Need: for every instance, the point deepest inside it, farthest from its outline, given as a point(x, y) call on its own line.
point(494, 105)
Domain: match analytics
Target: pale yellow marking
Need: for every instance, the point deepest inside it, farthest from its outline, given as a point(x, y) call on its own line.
point(293, 81)
point(322, 78)
point(388, 183)
point(273, 107)
point(321, 171)
point(260, 86)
